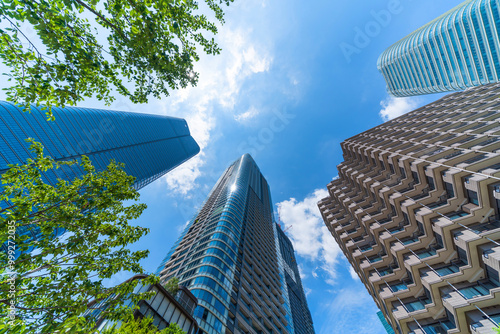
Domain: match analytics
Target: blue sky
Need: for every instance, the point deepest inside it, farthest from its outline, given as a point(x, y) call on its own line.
point(293, 80)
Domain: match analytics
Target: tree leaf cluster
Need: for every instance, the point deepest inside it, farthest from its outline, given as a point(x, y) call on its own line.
point(142, 48)
point(57, 275)
point(143, 326)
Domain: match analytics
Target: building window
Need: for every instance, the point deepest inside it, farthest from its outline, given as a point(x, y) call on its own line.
point(403, 172)
point(492, 274)
point(430, 181)
point(406, 219)
point(439, 239)
point(391, 167)
point(451, 318)
point(472, 196)
point(462, 255)
point(415, 177)
point(421, 229)
point(410, 276)
point(449, 190)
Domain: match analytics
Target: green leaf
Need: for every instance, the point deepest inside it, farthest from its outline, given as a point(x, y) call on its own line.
point(137, 31)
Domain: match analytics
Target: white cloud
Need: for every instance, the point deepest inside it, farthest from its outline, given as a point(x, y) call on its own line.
point(309, 235)
point(393, 107)
point(343, 313)
point(182, 179)
point(302, 274)
point(247, 115)
point(221, 78)
point(353, 273)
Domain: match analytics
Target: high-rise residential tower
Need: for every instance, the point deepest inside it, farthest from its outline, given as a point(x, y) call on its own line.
point(415, 210)
point(459, 49)
point(148, 145)
point(238, 263)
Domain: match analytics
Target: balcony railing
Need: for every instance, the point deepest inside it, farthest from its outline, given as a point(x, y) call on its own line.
point(451, 215)
point(439, 327)
point(449, 269)
point(417, 305)
point(492, 224)
point(473, 159)
point(476, 290)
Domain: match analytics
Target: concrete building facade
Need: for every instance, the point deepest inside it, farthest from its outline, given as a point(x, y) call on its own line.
point(415, 209)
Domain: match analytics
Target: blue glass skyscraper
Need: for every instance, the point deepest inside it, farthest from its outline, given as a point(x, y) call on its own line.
point(459, 49)
point(293, 291)
point(148, 145)
point(238, 263)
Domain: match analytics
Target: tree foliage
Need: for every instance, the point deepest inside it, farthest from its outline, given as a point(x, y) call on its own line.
point(150, 44)
point(143, 326)
point(172, 286)
point(55, 277)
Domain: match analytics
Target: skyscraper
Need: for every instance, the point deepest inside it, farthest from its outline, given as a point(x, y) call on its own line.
point(236, 261)
point(149, 145)
point(459, 49)
point(415, 210)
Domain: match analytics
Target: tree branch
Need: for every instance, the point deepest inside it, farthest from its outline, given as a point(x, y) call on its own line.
point(110, 24)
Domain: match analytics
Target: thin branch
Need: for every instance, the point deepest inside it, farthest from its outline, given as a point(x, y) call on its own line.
point(110, 24)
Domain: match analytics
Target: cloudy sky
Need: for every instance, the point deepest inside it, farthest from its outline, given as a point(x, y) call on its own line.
point(294, 79)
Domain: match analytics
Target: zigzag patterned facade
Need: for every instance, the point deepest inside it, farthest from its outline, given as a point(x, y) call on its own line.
point(415, 211)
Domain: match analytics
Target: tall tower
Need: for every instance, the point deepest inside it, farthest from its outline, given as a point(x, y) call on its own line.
point(149, 145)
point(415, 210)
point(236, 261)
point(459, 49)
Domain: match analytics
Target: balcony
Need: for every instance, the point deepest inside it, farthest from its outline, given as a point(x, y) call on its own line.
point(376, 274)
point(463, 293)
point(434, 275)
point(408, 306)
point(475, 231)
point(408, 240)
point(444, 219)
point(396, 229)
point(481, 324)
point(440, 327)
point(472, 160)
point(366, 248)
point(425, 253)
point(492, 224)
point(376, 258)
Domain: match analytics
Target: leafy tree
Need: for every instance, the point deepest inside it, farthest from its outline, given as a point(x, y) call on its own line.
point(172, 286)
point(150, 44)
point(497, 330)
point(143, 326)
point(54, 283)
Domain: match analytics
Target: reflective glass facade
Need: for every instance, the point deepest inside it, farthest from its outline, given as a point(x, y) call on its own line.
point(292, 287)
point(148, 145)
point(234, 258)
point(459, 49)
